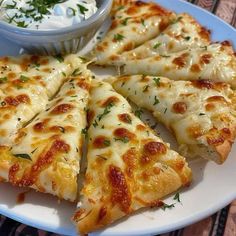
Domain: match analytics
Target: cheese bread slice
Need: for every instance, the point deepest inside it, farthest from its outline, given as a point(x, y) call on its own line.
point(133, 23)
point(128, 168)
point(201, 113)
point(46, 153)
point(26, 85)
point(215, 62)
point(183, 32)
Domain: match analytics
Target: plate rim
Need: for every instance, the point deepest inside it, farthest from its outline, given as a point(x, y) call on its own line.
point(178, 224)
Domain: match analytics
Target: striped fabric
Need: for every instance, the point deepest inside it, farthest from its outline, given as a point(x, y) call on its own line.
point(225, 9)
point(223, 223)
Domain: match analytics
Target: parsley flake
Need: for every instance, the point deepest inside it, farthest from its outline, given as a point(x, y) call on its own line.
point(118, 37)
point(143, 22)
point(156, 101)
point(23, 155)
point(85, 132)
point(106, 111)
point(167, 206)
point(145, 88)
point(82, 9)
point(157, 45)
point(187, 38)
point(125, 21)
point(124, 139)
point(176, 197)
point(107, 143)
point(24, 78)
point(157, 81)
point(138, 113)
point(3, 79)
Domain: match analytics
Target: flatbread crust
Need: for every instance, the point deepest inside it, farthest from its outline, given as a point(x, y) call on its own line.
point(183, 32)
point(46, 153)
point(215, 62)
point(201, 114)
point(27, 83)
point(129, 167)
point(133, 23)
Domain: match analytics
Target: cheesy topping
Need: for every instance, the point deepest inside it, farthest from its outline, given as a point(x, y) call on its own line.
point(183, 33)
point(132, 24)
point(200, 113)
point(46, 154)
point(26, 85)
point(215, 62)
point(127, 164)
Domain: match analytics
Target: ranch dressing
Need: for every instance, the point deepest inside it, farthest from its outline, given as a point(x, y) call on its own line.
point(46, 14)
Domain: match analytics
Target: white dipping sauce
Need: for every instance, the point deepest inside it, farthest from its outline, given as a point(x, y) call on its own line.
point(46, 14)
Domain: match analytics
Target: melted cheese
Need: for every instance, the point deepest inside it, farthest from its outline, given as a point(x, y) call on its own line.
point(46, 154)
point(215, 62)
point(132, 24)
point(197, 112)
point(183, 33)
point(128, 166)
point(26, 84)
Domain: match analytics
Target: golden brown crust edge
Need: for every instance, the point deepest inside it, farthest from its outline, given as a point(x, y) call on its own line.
point(105, 214)
point(50, 180)
point(224, 149)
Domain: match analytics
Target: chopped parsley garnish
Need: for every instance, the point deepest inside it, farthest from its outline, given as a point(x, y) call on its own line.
point(95, 124)
point(23, 155)
point(143, 22)
point(176, 20)
point(157, 81)
point(36, 10)
point(24, 78)
point(145, 88)
point(3, 79)
point(124, 139)
point(82, 9)
point(106, 111)
point(204, 47)
point(165, 110)
point(107, 143)
point(156, 101)
point(76, 72)
point(176, 197)
point(157, 45)
point(125, 21)
point(118, 37)
point(120, 8)
point(10, 6)
point(21, 24)
point(167, 206)
point(34, 151)
point(187, 38)
point(85, 132)
point(138, 113)
point(59, 58)
point(83, 59)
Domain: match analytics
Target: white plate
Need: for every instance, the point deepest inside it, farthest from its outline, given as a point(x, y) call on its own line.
point(213, 186)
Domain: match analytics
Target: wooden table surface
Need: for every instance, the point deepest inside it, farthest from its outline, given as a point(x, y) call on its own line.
point(223, 223)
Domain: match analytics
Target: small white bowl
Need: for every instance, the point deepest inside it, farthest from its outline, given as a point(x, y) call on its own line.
point(60, 41)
